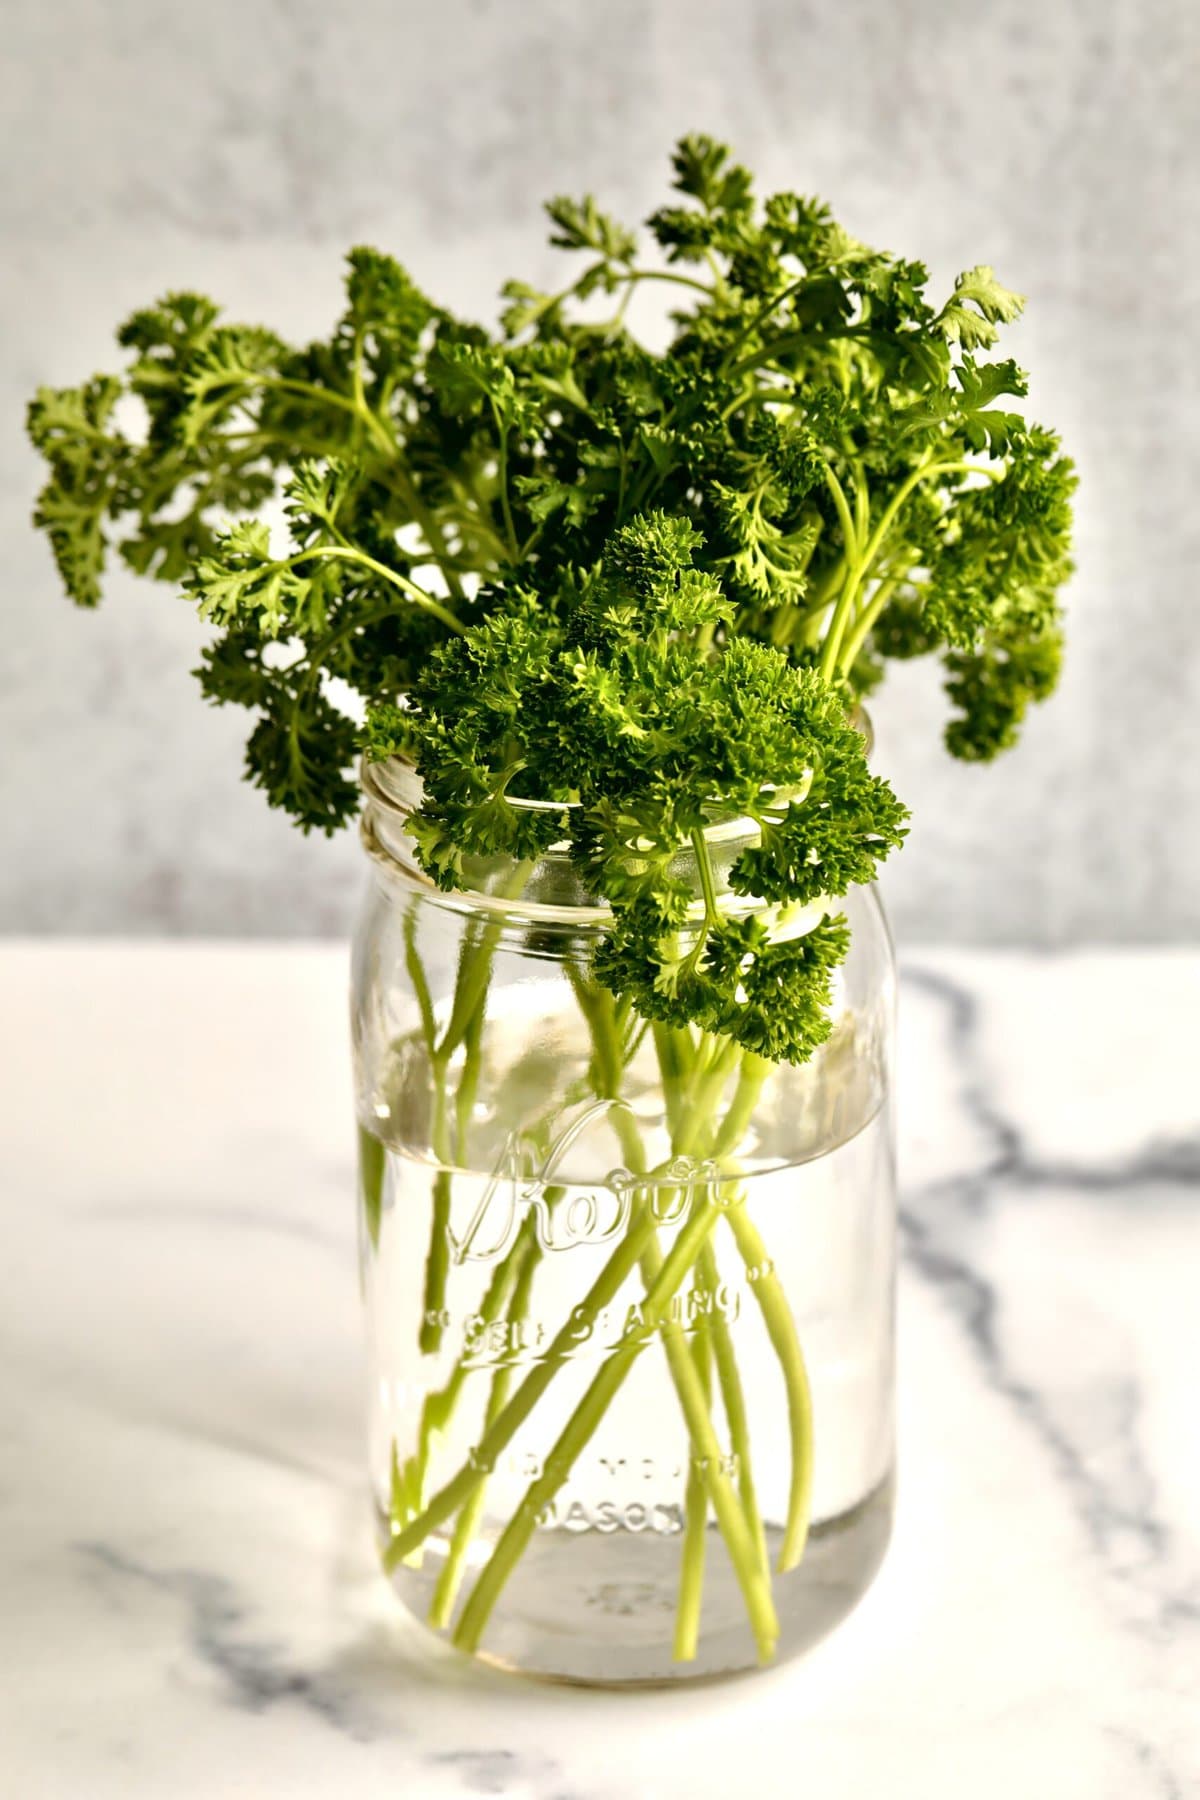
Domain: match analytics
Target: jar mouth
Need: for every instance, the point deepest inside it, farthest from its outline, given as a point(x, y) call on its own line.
point(395, 782)
point(548, 890)
point(551, 886)
point(399, 783)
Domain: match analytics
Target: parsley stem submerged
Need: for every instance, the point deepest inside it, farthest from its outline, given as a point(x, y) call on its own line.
point(695, 1076)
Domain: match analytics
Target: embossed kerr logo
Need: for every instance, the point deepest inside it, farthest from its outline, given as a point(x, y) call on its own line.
point(526, 1181)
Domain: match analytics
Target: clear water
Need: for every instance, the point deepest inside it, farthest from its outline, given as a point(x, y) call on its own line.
point(593, 1597)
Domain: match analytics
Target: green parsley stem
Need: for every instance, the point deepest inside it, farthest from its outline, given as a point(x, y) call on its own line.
point(360, 399)
point(695, 1526)
point(465, 1026)
point(325, 396)
point(434, 536)
point(671, 275)
point(862, 626)
point(415, 970)
point(851, 578)
point(626, 278)
point(862, 502)
point(781, 1328)
point(502, 479)
point(475, 968)
point(349, 554)
point(764, 312)
point(832, 657)
point(845, 517)
point(440, 1403)
point(777, 347)
point(467, 1523)
point(313, 661)
point(370, 1179)
point(752, 1073)
point(732, 1398)
point(712, 911)
point(387, 444)
point(309, 390)
point(906, 488)
point(437, 1258)
point(466, 1019)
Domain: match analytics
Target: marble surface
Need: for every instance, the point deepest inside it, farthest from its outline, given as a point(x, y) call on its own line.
point(190, 1603)
point(240, 146)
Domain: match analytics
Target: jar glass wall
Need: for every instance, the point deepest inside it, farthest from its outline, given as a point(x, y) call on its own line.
point(629, 1289)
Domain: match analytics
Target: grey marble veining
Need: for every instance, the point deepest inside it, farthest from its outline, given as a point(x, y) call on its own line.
point(1115, 1493)
point(190, 1592)
point(240, 146)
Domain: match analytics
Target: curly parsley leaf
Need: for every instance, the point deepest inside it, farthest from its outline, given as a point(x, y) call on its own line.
point(608, 696)
point(979, 303)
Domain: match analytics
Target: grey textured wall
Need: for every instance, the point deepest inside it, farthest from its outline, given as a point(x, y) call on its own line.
point(240, 147)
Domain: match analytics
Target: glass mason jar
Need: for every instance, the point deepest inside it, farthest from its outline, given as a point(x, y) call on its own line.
point(629, 1290)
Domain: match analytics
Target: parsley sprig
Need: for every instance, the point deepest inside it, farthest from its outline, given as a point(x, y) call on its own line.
point(556, 565)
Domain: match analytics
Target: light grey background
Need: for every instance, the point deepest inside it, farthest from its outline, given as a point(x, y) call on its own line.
point(239, 147)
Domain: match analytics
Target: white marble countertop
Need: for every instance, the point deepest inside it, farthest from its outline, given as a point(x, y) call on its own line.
point(188, 1593)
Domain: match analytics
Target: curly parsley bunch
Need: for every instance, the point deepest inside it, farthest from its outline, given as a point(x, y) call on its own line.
point(613, 695)
point(555, 565)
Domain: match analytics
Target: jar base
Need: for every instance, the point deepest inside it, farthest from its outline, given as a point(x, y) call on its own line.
point(598, 1610)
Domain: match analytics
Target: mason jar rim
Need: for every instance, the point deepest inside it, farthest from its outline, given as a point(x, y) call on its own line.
point(375, 782)
point(393, 789)
point(551, 890)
